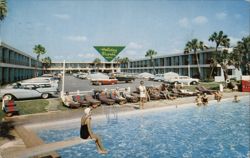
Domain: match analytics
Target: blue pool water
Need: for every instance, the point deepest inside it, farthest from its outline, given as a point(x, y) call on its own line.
point(220, 130)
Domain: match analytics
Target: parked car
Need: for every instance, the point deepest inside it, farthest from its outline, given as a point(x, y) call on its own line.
point(47, 80)
point(83, 76)
point(104, 81)
point(125, 78)
point(145, 75)
point(27, 91)
point(159, 77)
point(184, 80)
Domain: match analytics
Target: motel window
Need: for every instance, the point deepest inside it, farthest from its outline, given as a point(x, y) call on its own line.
point(230, 71)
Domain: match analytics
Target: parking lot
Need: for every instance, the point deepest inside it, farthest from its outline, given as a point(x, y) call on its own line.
point(73, 84)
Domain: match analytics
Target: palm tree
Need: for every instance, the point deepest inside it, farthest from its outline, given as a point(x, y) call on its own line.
point(242, 50)
point(193, 46)
point(221, 39)
point(97, 62)
point(117, 60)
point(38, 50)
point(213, 64)
point(125, 61)
point(151, 53)
point(46, 62)
point(3, 9)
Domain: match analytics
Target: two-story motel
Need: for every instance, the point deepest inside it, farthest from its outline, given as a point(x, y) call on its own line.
point(183, 64)
point(16, 65)
point(88, 67)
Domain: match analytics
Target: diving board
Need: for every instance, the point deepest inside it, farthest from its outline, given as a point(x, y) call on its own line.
point(45, 148)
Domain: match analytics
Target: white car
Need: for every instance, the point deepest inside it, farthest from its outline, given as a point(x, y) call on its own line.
point(184, 80)
point(27, 91)
point(83, 76)
point(41, 80)
point(159, 77)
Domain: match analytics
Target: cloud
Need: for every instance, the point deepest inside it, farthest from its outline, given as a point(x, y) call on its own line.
point(244, 33)
point(62, 16)
point(247, 1)
point(77, 38)
point(133, 45)
point(221, 15)
point(234, 40)
point(184, 22)
point(200, 20)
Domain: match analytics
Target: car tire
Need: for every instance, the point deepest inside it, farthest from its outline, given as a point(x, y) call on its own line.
point(45, 95)
point(10, 96)
point(194, 83)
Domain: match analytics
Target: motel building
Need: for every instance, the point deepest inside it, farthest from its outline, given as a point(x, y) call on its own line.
point(16, 65)
point(183, 64)
point(87, 67)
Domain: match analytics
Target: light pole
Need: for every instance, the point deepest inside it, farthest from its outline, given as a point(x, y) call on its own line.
point(63, 79)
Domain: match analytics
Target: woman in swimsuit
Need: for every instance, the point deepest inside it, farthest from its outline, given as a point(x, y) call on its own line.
point(86, 131)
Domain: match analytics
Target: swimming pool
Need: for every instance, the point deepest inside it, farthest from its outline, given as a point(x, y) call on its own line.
point(217, 130)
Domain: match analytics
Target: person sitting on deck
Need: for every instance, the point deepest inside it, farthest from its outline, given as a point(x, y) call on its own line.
point(68, 101)
point(86, 131)
point(204, 99)
point(236, 99)
point(198, 100)
point(218, 96)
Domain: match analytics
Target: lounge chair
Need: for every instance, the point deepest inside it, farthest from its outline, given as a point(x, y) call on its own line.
point(70, 103)
point(153, 93)
point(203, 90)
point(177, 93)
point(104, 99)
point(186, 92)
point(130, 97)
point(92, 101)
point(81, 100)
point(118, 99)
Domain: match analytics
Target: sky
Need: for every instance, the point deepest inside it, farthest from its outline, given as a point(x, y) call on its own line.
point(69, 29)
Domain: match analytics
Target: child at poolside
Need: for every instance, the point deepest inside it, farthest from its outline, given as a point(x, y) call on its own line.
point(236, 99)
point(198, 100)
point(143, 94)
point(86, 131)
point(204, 99)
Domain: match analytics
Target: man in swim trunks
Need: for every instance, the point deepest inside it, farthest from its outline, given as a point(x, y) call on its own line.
point(86, 131)
point(143, 94)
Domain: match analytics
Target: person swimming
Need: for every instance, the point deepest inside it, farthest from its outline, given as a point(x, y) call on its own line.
point(198, 100)
point(236, 99)
point(204, 99)
point(86, 131)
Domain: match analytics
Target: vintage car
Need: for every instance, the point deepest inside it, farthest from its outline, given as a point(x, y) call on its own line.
point(159, 77)
point(104, 81)
point(28, 91)
point(125, 78)
point(184, 80)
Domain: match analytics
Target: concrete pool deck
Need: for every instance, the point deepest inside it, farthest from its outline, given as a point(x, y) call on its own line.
point(27, 125)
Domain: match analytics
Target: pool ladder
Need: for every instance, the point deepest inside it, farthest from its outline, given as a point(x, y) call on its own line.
point(111, 113)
